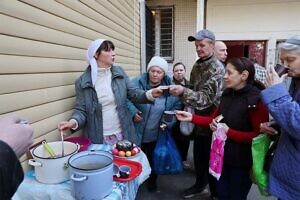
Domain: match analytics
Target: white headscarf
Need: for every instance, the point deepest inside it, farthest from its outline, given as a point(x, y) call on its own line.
point(90, 58)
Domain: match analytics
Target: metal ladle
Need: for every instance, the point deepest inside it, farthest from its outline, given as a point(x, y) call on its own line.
point(62, 143)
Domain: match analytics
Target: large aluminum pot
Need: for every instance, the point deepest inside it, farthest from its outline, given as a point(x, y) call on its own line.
point(91, 174)
point(52, 170)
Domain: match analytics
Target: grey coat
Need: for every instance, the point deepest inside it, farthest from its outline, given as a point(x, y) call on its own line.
point(88, 111)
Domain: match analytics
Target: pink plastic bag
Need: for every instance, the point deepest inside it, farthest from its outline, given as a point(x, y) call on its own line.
point(217, 152)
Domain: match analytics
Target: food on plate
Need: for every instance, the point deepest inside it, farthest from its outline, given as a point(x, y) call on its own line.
point(128, 153)
point(115, 152)
point(133, 152)
point(124, 145)
point(125, 148)
point(121, 153)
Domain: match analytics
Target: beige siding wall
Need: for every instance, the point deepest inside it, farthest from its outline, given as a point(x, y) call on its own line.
point(42, 52)
point(185, 13)
point(254, 19)
point(270, 20)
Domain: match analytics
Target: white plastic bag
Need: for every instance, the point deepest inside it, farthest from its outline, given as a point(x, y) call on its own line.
point(186, 128)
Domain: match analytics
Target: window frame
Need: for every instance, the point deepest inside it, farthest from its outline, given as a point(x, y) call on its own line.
point(157, 33)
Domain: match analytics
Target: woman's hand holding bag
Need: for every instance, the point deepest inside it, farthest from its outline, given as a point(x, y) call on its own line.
point(186, 128)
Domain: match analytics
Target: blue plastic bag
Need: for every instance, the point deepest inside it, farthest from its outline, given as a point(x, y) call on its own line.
point(166, 158)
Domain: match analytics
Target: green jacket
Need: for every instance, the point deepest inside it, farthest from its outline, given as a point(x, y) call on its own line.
point(88, 111)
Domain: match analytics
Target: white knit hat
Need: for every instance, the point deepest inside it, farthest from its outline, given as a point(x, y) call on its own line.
point(158, 62)
point(93, 47)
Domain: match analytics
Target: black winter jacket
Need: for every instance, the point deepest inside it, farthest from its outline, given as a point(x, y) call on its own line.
point(11, 172)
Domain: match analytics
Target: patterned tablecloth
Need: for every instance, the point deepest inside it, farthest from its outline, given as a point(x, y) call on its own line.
point(30, 189)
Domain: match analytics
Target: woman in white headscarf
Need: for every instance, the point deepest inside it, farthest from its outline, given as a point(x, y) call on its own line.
point(101, 93)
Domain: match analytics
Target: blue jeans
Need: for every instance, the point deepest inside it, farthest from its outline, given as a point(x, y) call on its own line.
point(234, 183)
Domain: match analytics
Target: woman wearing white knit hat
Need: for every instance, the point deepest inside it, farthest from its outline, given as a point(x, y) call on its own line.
point(101, 95)
point(148, 118)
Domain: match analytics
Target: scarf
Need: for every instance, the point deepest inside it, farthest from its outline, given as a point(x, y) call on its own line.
point(90, 58)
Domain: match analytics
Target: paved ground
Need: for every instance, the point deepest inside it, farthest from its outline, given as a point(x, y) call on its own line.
point(171, 187)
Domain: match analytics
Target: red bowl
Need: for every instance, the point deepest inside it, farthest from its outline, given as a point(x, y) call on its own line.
point(84, 142)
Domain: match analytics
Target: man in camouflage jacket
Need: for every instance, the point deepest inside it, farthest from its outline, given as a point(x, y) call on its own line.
point(206, 82)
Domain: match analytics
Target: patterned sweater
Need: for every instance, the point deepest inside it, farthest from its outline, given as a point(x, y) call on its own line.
point(206, 83)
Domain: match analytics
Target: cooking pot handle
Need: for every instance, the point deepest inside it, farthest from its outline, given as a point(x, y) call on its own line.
point(78, 146)
point(34, 163)
point(83, 178)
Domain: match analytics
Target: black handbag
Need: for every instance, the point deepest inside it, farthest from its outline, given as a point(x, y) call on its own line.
point(271, 151)
point(270, 155)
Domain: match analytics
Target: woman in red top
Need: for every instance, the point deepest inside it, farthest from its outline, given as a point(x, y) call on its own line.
point(243, 111)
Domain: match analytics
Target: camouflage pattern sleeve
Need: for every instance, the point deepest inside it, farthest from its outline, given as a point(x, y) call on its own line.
point(207, 84)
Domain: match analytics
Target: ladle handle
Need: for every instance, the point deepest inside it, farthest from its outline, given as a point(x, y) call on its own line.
point(49, 149)
point(62, 143)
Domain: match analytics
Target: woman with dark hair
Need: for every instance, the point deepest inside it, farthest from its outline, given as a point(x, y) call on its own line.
point(182, 141)
point(101, 95)
point(243, 111)
point(179, 71)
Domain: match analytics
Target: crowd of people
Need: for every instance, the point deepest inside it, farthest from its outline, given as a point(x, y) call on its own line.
point(111, 107)
point(206, 79)
point(246, 106)
point(243, 111)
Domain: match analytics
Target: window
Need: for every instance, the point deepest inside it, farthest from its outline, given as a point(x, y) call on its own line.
point(163, 32)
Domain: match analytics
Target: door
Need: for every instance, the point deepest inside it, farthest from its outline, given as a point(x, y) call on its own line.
point(255, 50)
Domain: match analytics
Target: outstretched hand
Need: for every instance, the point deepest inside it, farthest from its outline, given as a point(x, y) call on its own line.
point(176, 90)
point(157, 92)
point(183, 116)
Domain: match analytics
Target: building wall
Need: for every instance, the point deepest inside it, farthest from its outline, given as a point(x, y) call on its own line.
point(270, 20)
point(42, 52)
point(185, 25)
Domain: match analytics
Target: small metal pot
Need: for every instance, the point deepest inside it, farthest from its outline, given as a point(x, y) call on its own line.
point(52, 170)
point(91, 174)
